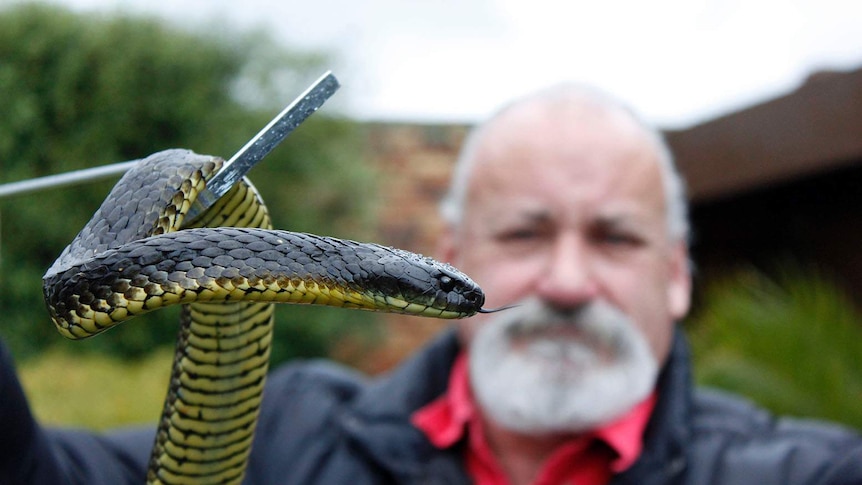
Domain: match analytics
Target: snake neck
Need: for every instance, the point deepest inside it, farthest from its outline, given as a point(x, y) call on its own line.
point(213, 400)
point(217, 379)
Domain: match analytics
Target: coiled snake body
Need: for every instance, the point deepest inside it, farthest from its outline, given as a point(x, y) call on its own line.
point(138, 254)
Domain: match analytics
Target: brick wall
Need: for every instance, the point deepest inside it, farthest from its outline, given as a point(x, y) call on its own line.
point(414, 163)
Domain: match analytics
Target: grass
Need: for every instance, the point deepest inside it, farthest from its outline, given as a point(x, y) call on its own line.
point(96, 392)
point(793, 344)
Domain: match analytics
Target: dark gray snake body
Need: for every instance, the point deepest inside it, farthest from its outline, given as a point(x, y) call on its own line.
point(138, 254)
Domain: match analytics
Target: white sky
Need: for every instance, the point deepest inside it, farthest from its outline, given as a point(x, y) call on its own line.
point(677, 62)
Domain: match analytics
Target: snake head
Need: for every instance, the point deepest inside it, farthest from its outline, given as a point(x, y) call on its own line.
point(429, 287)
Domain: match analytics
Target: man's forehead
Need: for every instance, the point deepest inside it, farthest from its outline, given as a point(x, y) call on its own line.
point(604, 166)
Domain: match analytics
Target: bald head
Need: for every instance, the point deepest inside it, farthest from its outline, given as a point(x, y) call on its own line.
point(566, 110)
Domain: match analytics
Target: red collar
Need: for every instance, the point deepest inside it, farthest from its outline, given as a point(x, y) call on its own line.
point(589, 458)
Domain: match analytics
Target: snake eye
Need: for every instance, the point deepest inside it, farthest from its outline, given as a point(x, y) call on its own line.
point(446, 283)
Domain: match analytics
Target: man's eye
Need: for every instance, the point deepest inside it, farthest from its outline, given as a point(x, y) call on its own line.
point(619, 238)
point(616, 237)
point(515, 235)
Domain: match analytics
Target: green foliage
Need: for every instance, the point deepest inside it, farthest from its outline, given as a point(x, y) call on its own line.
point(80, 90)
point(794, 344)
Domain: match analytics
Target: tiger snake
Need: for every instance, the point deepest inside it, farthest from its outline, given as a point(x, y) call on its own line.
point(227, 266)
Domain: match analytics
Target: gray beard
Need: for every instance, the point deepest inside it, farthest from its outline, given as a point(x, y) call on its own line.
point(537, 370)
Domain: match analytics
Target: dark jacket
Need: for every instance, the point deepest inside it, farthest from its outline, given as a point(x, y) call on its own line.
point(321, 423)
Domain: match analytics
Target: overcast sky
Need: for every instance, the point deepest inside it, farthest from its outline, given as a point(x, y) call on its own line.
point(677, 62)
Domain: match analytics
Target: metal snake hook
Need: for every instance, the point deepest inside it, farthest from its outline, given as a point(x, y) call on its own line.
point(266, 139)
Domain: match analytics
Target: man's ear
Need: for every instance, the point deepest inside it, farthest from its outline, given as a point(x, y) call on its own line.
point(679, 285)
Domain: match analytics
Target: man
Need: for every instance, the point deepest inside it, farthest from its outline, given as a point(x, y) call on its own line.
point(562, 202)
point(567, 208)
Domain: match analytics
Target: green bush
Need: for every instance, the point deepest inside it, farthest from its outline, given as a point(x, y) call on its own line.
point(793, 344)
point(82, 90)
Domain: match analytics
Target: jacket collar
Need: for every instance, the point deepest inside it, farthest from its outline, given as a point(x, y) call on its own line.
point(663, 458)
point(378, 420)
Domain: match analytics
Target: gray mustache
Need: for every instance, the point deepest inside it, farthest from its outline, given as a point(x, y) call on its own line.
point(599, 322)
point(534, 314)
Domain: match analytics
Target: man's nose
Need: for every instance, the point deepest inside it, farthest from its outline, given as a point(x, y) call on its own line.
point(568, 280)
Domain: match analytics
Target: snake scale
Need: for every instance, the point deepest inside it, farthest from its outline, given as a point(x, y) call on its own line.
point(227, 267)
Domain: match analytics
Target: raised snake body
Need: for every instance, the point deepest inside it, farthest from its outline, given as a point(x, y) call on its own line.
point(138, 254)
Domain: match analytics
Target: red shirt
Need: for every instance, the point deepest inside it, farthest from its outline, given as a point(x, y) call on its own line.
point(588, 459)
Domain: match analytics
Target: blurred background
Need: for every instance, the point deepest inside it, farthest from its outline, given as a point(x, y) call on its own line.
point(762, 105)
